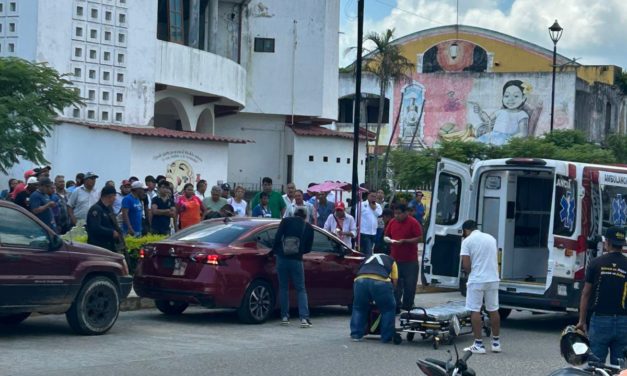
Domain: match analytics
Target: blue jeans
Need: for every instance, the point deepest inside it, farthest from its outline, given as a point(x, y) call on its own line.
point(366, 290)
point(289, 269)
point(608, 332)
point(366, 242)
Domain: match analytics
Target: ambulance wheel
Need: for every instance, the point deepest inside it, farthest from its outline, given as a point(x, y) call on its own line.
point(410, 336)
point(504, 313)
point(397, 339)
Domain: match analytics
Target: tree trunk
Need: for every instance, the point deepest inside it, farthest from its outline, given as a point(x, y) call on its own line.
point(376, 142)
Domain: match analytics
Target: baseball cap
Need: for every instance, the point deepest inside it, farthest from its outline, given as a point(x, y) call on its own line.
point(616, 236)
point(28, 174)
point(90, 175)
point(419, 193)
point(32, 180)
point(225, 187)
point(340, 206)
point(107, 190)
point(125, 183)
point(138, 185)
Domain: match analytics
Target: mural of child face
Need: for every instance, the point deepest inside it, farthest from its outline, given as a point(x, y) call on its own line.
point(513, 97)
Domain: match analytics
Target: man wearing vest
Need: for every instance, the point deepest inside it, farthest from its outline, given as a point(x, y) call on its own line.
point(376, 279)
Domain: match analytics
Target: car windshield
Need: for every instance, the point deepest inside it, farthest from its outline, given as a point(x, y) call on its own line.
point(223, 233)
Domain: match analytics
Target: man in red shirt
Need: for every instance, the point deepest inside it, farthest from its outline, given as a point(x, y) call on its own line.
point(403, 233)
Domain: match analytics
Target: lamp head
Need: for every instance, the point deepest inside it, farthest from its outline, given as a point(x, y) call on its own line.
point(555, 31)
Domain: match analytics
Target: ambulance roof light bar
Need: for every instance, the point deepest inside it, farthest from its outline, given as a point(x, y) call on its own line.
point(526, 161)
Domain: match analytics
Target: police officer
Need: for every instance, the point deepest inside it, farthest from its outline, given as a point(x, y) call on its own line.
point(376, 279)
point(606, 280)
point(102, 226)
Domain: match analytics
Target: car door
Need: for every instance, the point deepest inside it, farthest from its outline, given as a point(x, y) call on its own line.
point(327, 275)
point(30, 273)
point(450, 206)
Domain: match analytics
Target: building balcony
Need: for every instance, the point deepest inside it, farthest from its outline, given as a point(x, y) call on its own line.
point(201, 73)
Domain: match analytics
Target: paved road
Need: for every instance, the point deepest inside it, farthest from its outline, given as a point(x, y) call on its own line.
point(215, 343)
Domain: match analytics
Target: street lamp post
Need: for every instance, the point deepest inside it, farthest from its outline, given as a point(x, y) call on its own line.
point(555, 31)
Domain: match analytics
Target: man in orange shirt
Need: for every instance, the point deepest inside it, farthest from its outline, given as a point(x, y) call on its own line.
point(403, 233)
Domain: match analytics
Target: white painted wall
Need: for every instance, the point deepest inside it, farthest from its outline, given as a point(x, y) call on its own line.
point(306, 172)
point(25, 35)
point(301, 77)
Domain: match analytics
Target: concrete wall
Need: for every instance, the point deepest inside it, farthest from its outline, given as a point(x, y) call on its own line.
point(181, 162)
point(318, 171)
point(455, 102)
point(600, 109)
point(300, 77)
point(24, 37)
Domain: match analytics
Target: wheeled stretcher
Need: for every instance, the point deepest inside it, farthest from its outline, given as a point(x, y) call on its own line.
point(442, 323)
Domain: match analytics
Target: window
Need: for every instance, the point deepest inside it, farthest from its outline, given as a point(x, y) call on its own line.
point(311, 158)
point(1, 7)
point(119, 97)
point(121, 38)
point(108, 16)
point(91, 95)
point(322, 243)
point(338, 160)
point(93, 33)
point(91, 114)
point(449, 193)
point(216, 232)
point(348, 161)
point(175, 21)
point(120, 77)
point(93, 54)
point(107, 56)
point(94, 13)
point(77, 72)
point(18, 230)
point(325, 159)
point(122, 18)
point(12, 27)
point(76, 113)
point(79, 11)
point(12, 6)
point(11, 47)
point(79, 32)
point(105, 95)
point(78, 52)
point(533, 211)
point(121, 58)
point(264, 44)
point(92, 74)
point(107, 35)
point(105, 116)
point(106, 76)
point(118, 116)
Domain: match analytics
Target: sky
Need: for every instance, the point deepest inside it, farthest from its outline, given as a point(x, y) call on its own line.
point(595, 32)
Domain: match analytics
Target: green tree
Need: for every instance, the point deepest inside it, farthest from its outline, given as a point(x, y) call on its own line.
point(618, 145)
point(622, 82)
point(31, 96)
point(390, 67)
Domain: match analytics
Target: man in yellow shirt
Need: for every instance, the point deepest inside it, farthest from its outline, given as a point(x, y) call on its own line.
point(376, 279)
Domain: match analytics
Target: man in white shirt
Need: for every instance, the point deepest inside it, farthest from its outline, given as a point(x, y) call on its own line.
point(342, 224)
point(299, 202)
point(370, 212)
point(83, 198)
point(480, 260)
point(288, 197)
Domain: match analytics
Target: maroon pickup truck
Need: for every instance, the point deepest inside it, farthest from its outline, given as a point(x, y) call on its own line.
point(39, 272)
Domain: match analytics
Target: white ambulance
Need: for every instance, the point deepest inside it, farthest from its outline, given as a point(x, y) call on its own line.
point(546, 215)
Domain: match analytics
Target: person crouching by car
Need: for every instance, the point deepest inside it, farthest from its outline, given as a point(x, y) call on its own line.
point(293, 238)
point(102, 226)
point(376, 279)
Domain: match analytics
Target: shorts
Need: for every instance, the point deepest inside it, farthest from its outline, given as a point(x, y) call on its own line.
point(477, 293)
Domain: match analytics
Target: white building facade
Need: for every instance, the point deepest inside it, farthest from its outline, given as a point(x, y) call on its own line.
point(210, 85)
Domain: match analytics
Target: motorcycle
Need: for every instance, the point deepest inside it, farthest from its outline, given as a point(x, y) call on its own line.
point(435, 367)
point(575, 349)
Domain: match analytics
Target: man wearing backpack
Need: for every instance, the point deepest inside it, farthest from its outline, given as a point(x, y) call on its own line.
point(293, 239)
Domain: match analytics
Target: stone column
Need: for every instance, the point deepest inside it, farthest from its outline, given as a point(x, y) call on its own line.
point(212, 35)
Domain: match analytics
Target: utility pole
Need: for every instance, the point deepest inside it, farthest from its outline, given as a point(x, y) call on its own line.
point(356, 118)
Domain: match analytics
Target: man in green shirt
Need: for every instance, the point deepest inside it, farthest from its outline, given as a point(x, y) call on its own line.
point(214, 202)
point(275, 200)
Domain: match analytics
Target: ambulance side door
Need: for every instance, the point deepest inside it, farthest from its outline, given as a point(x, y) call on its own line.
point(450, 207)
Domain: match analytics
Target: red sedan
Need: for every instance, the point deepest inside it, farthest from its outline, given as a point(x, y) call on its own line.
point(230, 264)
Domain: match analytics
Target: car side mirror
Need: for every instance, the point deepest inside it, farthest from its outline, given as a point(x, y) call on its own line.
point(55, 243)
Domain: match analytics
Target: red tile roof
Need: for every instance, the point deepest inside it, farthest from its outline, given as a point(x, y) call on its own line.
point(160, 132)
point(317, 131)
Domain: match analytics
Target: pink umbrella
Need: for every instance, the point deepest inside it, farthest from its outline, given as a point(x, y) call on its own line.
point(329, 186)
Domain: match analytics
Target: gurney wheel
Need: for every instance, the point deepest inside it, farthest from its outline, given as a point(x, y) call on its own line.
point(397, 339)
point(410, 336)
point(436, 343)
point(488, 331)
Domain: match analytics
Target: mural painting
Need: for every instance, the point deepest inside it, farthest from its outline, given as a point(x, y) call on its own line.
point(488, 108)
point(469, 58)
point(179, 168)
point(411, 114)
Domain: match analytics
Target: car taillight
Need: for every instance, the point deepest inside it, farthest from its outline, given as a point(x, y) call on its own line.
point(210, 259)
point(142, 253)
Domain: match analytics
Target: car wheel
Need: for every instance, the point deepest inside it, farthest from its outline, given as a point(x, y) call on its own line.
point(13, 319)
point(170, 307)
point(504, 313)
point(96, 307)
point(257, 304)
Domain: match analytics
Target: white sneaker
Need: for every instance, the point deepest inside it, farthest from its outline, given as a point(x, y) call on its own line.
point(305, 323)
point(496, 347)
point(285, 321)
point(476, 349)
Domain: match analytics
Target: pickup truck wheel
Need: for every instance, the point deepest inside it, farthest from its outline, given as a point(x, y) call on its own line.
point(13, 319)
point(257, 304)
point(170, 307)
point(96, 307)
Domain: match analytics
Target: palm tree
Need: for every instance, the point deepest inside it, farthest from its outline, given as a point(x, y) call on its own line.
point(387, 63)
